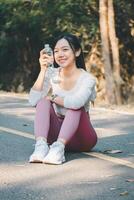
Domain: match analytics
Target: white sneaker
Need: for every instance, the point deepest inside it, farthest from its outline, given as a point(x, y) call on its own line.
point(56, 154)
point(41, 150)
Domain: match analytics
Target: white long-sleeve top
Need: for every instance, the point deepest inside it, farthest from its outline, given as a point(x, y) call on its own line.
point(80, 95)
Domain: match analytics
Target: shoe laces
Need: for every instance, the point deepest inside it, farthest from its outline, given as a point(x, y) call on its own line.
point(40, 144)
point(58, 145)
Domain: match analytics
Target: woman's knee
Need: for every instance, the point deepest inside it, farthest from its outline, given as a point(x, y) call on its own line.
point(43, 102)
point(75, 110)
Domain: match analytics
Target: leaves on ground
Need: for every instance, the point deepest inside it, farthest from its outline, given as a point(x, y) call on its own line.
point(130, 180)
point(124, 193)
point(25, 124)
point(113, 151)
point(113, 188)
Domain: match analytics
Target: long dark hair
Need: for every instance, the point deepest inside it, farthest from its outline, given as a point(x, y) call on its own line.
point(75, 46)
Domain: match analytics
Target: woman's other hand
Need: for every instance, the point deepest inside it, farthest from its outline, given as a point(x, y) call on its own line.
point(56, 99)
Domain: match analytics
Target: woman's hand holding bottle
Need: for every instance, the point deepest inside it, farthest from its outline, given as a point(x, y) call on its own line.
point(46, 59)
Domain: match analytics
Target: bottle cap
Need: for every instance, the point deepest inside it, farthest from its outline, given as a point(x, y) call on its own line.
point(46, 45)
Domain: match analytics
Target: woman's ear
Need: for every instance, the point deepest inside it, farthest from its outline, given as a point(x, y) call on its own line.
point(77, 53)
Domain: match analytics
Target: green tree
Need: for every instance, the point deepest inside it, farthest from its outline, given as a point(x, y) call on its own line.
point(26, 25)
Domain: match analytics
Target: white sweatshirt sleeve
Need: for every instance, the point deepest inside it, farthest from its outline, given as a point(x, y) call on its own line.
point(34, 95)
point(85, 92)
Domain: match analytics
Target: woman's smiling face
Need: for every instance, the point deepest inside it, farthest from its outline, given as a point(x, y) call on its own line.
point(63, 53)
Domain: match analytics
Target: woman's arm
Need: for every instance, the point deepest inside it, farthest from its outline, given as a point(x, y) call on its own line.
point(44, 60)
point(36, 91)
point(82, 95)
point(38, 85)
point(85, 93)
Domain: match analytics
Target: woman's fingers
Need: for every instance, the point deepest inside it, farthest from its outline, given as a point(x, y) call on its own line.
point(45, 59)
point(42, 52)
point(44, 55)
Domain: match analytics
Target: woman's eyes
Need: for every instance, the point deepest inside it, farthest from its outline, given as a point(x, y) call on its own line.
point(65, 49)
point(56, 51)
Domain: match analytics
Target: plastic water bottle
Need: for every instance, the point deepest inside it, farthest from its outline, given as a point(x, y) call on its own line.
point(49, 51)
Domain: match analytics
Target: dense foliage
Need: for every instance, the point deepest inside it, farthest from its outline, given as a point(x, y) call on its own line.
point(26, 25)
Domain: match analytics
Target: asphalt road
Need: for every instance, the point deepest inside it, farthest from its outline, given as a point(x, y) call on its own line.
point(102, 174)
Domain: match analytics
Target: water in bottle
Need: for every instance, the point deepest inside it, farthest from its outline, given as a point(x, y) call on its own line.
point(49, 51)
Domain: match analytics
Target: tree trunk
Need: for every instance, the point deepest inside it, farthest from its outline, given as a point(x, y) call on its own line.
point(115, 51)
point(110, 90)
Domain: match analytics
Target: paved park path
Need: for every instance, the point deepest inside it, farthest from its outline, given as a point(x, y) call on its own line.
point(102, 174)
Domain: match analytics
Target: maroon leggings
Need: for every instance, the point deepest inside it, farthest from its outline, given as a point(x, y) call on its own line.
point(75, 127)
